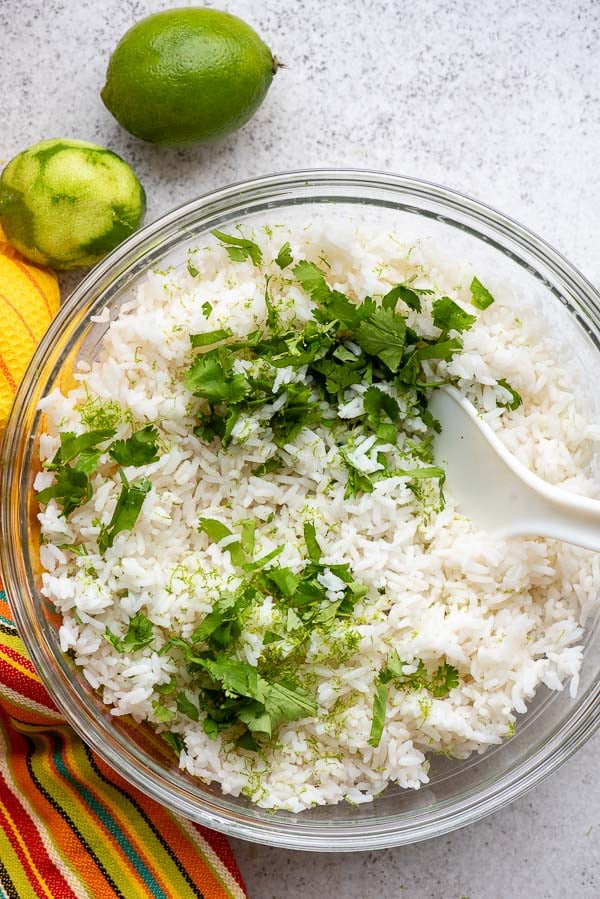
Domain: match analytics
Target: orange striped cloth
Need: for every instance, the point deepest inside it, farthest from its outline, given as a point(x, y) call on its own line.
point(70, 827)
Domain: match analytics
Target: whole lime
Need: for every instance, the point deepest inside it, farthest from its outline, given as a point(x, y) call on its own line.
point(187, 75)
point(67, 203)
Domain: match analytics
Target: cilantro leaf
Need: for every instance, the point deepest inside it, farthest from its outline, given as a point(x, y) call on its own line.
point(312, 280)
point(263, 560)
point(162, 714)
point(298, 411)
point(186, 706)
point(88, 461)
point(71, 445)
point(175, 741)
point(285, 703)
point(140, 633)
point(206, 309)
point(481, 298)
point(443, 349)
point(429, 471)
point(248, 536)
point(515, 401)
point(333, 305)
point(217, 531)
point(393, 668)
point(439, 683)
point(383, 335)
point(448, 316)
point(337, 377)
point(210, 337)
point(71, 489)
point(283, 579)
point(401, 292)
point(272, 464)
point(213, 380)
point(239, 248)
point(192, 268)
point(126, 512)
point(312, 544)
point(284, 256)
point(271, 311)
point(224, 623)
point(443, 679)
point(377, 401)
point(379, 710)
point(139, 449)
point(271, 637)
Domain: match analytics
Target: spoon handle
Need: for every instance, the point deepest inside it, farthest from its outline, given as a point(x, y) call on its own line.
point(496, 490)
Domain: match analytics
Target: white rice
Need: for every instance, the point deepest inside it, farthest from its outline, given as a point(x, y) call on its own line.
point(507, 614)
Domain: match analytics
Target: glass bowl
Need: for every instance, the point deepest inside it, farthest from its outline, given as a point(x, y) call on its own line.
point(459, 792)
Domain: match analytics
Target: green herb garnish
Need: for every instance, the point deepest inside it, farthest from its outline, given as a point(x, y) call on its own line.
point(139, 449)
point(449, 316)
point(284, 256)
point(439, 684)
point(71, 489)
point(239, 248)
point(140, 633)
point(480, 295)
point(515, 398)
point(127, 510)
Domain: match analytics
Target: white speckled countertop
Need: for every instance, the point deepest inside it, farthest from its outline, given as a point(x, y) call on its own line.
point(498, 98)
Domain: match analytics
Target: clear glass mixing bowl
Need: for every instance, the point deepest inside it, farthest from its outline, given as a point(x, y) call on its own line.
point(459, 791)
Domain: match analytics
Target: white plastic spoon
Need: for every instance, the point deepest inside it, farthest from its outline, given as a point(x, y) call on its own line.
point(497, 491)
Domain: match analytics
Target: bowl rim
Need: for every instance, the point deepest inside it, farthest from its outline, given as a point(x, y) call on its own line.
point(519, 779)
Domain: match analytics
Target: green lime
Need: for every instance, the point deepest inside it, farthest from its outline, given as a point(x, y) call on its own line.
point(187, 75)
point(66, 203)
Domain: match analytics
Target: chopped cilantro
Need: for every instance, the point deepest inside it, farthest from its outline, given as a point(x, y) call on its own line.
point(404, 293)
point(175, 741)
point(444, 349)
point(383, 335)
point(284, 256)
point(271, 311)
point(240, 693)
point(140, 633)
point(312, 545)
point(139, 449)
point(209, 338)
point(272, 464)
point(126, 513)
point(438, 684)
point(448, 316)
point(379, 709)
point(217, 531)
point(481, 298)
point(192, 269)
point(239, 248)
point(72, 445)
point(186, 706)
point(211, 377)
point(206, 309)
point(248, 534)
point(443, 679)
point(162, 714)
point(71, 489)
point(312, 280)
point(515, 398)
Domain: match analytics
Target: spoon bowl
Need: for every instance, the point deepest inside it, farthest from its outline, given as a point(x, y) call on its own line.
point(497, 491)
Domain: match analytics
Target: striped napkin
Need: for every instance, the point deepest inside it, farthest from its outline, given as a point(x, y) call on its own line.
point(70, 827)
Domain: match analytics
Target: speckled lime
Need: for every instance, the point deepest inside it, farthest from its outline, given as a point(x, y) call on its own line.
point(187, 75)
point(67, 203)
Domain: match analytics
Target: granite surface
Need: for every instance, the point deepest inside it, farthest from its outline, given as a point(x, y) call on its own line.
point(499, 99)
